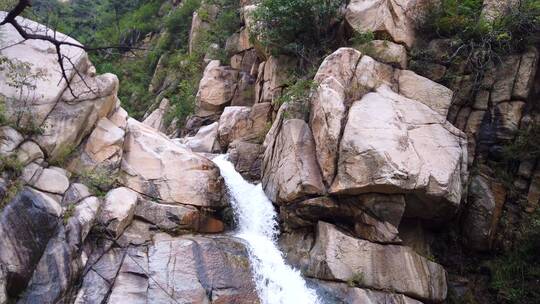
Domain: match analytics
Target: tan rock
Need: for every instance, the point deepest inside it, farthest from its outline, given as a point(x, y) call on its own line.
point(404, 147)
point(50, 180)
point(495, 8)
point(119, 117)
point(393, 17)
point(245, 90)
point(290, 169)
point(41, 59)
point(505, 74)
point(507, 117)
point(105, 142)
point(10, 139)
point(272, 77)
point(430, 93)
point(217, 88)
point(157, 167)
point(525, 75)
point(28, 152)
point(118, 210)
point(200, 25)
point(244, 123)
point(72, 119)
point(337, 256)
point(156, 119)
point(247, 159)
point(387, 52)
point(342, 77)
point(205, 140)
point(354, 295)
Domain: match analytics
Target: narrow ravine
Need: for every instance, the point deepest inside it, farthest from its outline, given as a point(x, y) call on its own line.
point(277, 282)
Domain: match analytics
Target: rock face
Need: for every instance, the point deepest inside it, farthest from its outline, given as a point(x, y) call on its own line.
point(190, 269)
point(336, 256)
point(393, 17)
point(155, 166)
point(216, 89)
point(118, 210)
point(290, 170)
point(410, 140)
point(342, 293)
point(23, 245)
point(156, 119)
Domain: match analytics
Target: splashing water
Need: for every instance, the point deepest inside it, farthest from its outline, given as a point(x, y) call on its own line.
point(277, 283)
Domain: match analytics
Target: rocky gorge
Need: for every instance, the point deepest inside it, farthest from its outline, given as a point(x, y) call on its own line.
point(376, 186)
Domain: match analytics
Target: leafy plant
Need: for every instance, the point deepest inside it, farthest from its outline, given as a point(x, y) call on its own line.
point(516, 274)
point(299, 27)
point(356, 280)
point(98, 180)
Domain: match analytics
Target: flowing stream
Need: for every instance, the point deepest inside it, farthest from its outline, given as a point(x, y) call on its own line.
point(277, 282)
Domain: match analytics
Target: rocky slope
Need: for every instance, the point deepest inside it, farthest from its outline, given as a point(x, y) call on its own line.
point(370, 175)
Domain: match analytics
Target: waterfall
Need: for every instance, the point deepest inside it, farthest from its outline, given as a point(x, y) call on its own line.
point(277, 282)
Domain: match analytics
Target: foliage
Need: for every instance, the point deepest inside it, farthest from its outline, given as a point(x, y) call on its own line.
point(98, 180)
point(356, 280)
point(62, 156)
point(298, 27)
point(361, 38)
point(526, 145)
point(11, 164)
point(479, 43)
point(12, 189)
point(479, 39)
point(68, 212)
point(515, 275)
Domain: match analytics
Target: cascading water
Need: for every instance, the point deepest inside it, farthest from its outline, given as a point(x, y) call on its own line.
point(277, 283)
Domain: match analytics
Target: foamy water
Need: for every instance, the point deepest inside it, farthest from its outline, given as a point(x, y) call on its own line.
point(277, 282)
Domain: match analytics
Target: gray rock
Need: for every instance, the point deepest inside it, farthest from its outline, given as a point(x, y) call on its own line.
point(341, 293)
point(59, 266)
point(200, 270)
point(99, 277)
point(27, 224)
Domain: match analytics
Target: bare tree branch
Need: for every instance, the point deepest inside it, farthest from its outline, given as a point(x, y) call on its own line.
point(11, 18)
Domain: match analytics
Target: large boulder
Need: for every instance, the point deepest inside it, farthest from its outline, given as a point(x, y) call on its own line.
point(404, 147)
point(157, 167)
point(346, 76)
point(244, 123)
point(343, 293)
point(156, 119)
point(199, 269)
point(118, 210)
point(290, 170)
point(339, 257)
point(74, 117)
point(60, 265)
point(23, 244)
point(177, 218)
point(205, 141)
point(392, 17)
point(103, 148)
point(42, 68)
point(216, 89)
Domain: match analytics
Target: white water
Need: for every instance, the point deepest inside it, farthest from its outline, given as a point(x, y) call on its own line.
point(277, 283)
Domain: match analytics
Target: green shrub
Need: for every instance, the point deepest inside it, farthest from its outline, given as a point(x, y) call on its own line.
point(11, 164)
point(356, 280)
point(178, 23)
point(298, 27)
point(98, 180)
point(463, 20)
point(515, 275)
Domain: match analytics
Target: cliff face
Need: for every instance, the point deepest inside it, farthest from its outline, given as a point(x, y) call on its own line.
point(388, 183)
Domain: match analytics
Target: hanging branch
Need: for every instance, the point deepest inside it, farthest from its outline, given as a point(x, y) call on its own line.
point(11, 18)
